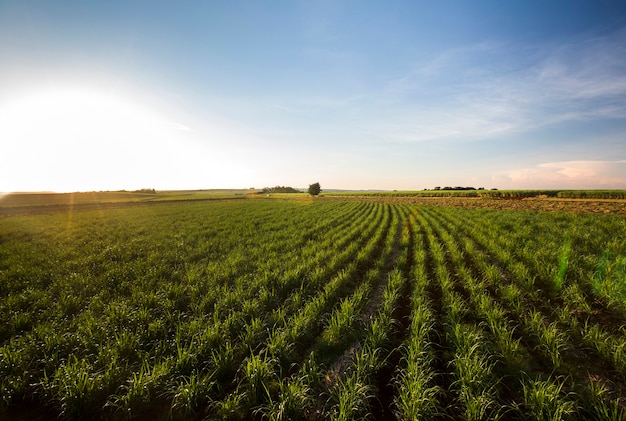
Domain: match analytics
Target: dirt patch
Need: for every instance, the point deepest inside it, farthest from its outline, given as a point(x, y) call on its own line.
point(549, 204)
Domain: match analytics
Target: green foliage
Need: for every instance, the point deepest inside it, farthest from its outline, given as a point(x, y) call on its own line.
point(315, 189)
point(215, 309)
point(609, 279)
point(546, 400)
point(593, 194)
point(295, 398)
point(564, 256)
point(351, 396)
point(279, 189)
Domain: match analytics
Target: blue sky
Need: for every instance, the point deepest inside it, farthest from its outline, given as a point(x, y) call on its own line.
point(352, 94)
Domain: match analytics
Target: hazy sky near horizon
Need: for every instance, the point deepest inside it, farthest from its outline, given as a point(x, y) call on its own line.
point(107, 95)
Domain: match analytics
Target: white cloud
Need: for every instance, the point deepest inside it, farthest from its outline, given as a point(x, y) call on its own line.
point(484, 91)
point(182, 127)
point(565, 174)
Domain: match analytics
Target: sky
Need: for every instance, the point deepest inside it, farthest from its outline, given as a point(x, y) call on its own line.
point(406, 95)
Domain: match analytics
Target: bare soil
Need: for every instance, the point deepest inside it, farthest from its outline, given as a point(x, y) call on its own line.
point(549, 204)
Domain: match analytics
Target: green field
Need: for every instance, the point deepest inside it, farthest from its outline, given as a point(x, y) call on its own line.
point(309, 308)
point(14, 200)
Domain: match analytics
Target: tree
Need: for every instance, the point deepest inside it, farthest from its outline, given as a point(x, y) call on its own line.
point(280, 189)
point(315, 189)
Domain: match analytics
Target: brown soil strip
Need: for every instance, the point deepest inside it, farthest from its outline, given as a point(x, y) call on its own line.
point(549, 204)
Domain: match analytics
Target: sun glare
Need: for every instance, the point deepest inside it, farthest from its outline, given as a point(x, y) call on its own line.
point(83, 139)
point(72, 116)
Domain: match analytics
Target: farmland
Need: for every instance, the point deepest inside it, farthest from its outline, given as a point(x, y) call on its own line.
point(327, 308)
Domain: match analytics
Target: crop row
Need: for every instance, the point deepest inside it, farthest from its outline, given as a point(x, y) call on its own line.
point(267, 309)
point(523, 291)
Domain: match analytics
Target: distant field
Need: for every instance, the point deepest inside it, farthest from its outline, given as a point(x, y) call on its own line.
point(500, 194)
point(40, 199)
point(92, 198)
point(369, 306)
